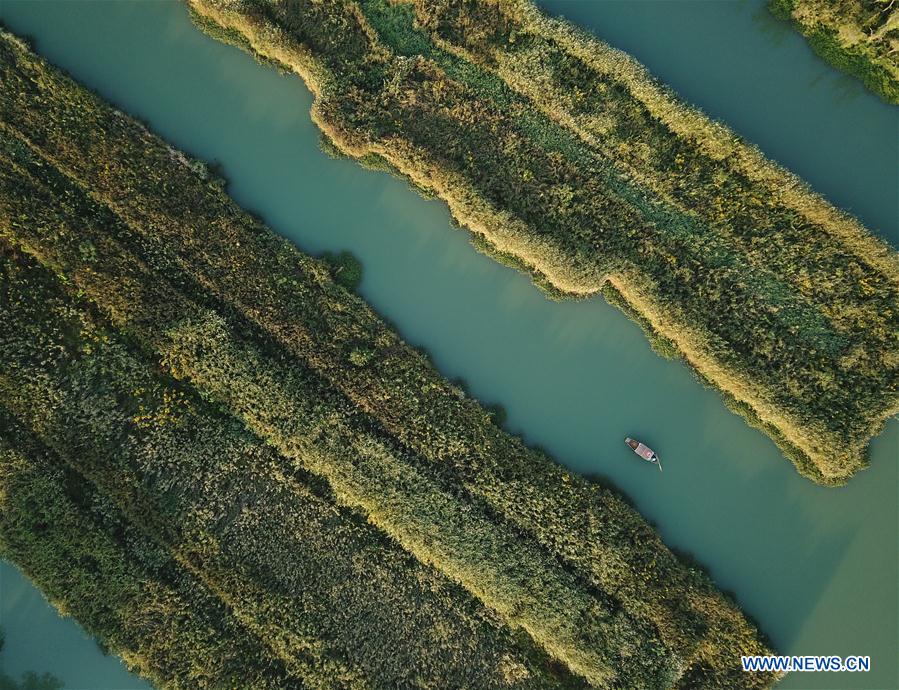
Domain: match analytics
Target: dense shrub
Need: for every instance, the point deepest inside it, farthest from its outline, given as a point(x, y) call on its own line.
point(346, 269)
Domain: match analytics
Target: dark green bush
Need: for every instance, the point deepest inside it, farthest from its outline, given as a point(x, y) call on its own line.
point(346, 269)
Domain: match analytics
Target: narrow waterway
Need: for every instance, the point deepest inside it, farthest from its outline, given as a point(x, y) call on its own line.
point(818, 568)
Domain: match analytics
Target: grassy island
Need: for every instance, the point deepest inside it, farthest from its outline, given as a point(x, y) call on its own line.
point(565, 158)
point(225, 464)
point(860, 37)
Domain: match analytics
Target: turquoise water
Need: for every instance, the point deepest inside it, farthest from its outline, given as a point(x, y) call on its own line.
point(37, 639)
point(816, 567)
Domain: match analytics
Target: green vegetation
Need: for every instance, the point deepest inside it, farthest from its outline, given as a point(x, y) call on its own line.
point(250, 526)
point(262, 433)
point(566, 159)
point(122, 587)
point(860, 37)
point(346, 269)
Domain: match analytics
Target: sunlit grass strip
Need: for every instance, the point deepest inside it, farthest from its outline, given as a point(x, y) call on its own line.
point(310, 425)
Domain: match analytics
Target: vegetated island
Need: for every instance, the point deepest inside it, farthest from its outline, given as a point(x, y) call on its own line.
point(860, 37)
point(566, 159)
point(230, 470)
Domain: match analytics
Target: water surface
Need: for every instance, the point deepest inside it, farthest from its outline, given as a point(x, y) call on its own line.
point(38, 639)
point(816, 567)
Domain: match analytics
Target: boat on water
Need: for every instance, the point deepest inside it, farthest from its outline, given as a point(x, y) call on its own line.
point(643, 451)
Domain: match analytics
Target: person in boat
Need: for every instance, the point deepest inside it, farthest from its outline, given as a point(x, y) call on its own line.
point(643, 451)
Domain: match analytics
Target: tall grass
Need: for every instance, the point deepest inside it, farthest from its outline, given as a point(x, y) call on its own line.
point(859, 37)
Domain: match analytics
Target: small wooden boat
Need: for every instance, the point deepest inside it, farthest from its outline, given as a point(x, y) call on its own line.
point(644, 452)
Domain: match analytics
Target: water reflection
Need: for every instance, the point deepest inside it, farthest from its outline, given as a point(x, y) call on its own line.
point(39, 640)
